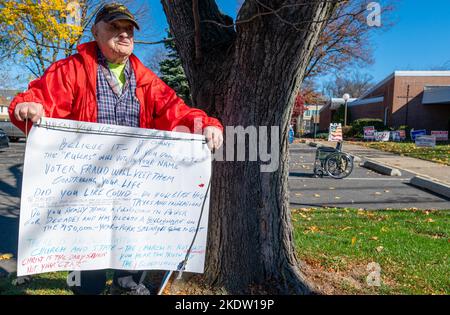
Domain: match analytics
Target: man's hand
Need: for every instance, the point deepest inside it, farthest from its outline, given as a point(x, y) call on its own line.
point(30, 110)
point(214, 137)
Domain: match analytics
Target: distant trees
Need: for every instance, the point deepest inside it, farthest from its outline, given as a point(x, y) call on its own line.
point(354, 83)
point(172, 73)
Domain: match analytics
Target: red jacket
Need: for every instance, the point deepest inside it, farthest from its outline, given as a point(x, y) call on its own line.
point(68, 88)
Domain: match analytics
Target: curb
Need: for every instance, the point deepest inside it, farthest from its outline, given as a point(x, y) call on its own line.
point(315, 144)
point(428, 184)
point(381, 168)
point(356, 159)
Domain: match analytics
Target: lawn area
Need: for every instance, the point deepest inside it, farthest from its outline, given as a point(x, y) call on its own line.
point(438, 154)
point(43, 284)
point(411, 247)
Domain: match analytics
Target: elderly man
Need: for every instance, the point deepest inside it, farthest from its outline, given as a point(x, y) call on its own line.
point(105, 83)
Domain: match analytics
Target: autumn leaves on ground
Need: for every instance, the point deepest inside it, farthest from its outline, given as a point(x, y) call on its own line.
point(340, 250)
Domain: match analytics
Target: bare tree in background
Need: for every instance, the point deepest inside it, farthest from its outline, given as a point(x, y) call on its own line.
point(354, 83)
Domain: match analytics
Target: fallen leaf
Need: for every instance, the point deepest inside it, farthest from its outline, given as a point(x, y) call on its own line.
point(374, 238)
point(6, 256)
point(346, 228)
point(312, 229)
point(429, 220)
point(353, 241)
point(379, 249)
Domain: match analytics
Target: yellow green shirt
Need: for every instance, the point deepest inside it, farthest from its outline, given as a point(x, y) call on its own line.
point(118, 71)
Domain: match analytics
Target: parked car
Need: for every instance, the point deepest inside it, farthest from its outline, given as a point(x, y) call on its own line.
point(4, 141)
point(14, 133)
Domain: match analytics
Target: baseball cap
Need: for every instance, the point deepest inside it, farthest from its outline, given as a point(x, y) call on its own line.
point(113, 12)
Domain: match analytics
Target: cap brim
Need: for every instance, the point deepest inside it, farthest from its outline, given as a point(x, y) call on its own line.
point(122, 17)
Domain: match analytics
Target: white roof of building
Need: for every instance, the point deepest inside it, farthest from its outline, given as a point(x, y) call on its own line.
point(365, 101)
point(336, 102)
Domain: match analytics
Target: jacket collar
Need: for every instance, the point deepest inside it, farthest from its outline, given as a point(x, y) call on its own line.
point(88, 51)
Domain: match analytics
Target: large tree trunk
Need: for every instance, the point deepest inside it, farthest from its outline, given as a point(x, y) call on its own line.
point(249, 76)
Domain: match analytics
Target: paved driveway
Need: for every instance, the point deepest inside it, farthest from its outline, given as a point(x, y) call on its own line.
point(11, 163)
point(362, 189)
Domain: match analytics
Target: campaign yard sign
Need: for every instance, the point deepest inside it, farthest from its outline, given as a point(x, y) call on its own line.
point(369, 133)
point(382, 136)
point(425, 141)
point(398, 135)
point(417, 133)
point(440, 135)
point(335, 133)
point(97, 196)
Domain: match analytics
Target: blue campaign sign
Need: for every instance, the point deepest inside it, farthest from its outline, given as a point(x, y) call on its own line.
point(416, 133)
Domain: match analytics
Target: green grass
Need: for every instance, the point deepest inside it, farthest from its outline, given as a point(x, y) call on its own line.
point(53, 283)
point(438, 154)
point(43, 284)
point(411, 247)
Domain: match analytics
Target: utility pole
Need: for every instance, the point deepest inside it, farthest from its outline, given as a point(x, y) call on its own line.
point(407, 103)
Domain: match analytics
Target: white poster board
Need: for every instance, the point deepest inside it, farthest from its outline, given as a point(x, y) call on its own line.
point(425, 141)
point(97, 196)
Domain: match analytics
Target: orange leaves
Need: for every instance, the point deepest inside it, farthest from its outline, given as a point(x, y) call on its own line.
point(6, 256)
point(26, 21)
point(312, 229)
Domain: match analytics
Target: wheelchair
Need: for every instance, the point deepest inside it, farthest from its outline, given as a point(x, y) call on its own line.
point(332, 162)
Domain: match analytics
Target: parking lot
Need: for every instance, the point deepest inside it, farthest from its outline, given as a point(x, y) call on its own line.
point(362, 189)
point(11, 166)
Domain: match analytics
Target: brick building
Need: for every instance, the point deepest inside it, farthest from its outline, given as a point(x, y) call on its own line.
point(419, 99)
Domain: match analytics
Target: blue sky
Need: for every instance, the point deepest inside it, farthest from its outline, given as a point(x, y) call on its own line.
point(419, 39)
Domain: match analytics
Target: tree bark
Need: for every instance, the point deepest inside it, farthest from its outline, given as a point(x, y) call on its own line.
point(249, 75)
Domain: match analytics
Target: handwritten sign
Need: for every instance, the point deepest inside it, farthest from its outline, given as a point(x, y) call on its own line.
point(382, 136)
point(425, 141)
point(335, 133)
point(97, 196)
point(440, 135)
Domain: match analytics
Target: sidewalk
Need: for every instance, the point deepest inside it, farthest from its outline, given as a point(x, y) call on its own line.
point(434, 171)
